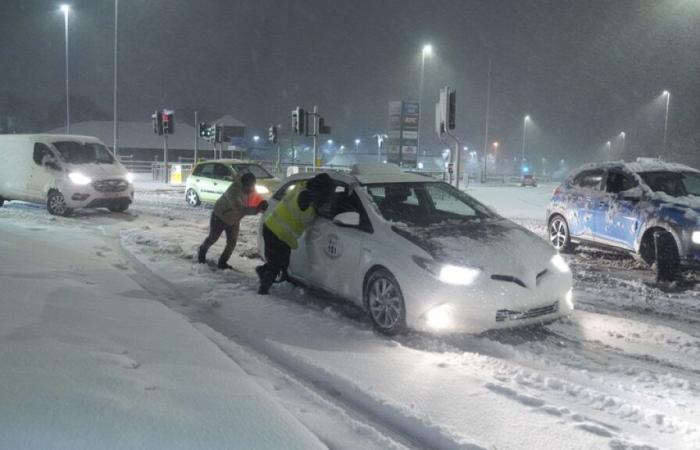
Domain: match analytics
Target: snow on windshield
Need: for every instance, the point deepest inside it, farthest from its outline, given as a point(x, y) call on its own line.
point(83, 153)
point(424, 203)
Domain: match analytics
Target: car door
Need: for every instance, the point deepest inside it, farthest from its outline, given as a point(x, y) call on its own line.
point(333, 251)
point(584, 207)
point(203, 180)
point(620, 222)
point(222, 179)
point(41, 174)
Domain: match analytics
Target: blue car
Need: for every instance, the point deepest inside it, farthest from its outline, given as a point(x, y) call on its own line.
point(620, 205)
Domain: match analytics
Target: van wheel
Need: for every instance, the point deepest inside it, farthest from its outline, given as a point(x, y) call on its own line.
point(119, 207)
point(56, 204)
point(385, 304)
point(192, 198)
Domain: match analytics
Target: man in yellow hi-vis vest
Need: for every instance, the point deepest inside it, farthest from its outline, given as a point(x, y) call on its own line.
point(287, 222)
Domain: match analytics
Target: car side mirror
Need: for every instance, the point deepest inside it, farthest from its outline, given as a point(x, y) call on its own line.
point(53, 165)
point(347, 219)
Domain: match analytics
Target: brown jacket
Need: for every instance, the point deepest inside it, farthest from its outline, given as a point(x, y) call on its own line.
point(231, 207)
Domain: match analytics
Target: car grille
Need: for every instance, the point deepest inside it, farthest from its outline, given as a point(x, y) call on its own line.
point(503, 315)
point(540, 275)
point(509, 279)
point(110, 185)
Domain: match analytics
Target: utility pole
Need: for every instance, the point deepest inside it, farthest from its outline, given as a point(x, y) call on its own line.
point(315, 121)
point(165, 158)
point(116, 40)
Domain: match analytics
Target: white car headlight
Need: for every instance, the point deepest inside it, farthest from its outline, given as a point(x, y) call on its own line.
point(130, 177)
point(569, 298)
point(260, 189)
point(559, 263)
point(447, 273)
point(696, 237)
point(79, 179)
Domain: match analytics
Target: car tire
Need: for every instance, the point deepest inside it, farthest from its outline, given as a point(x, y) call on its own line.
point(558, 232)
point(56, 204)
point(647, 251)
point(384, 302)
point(119, 207)
point(192, 198)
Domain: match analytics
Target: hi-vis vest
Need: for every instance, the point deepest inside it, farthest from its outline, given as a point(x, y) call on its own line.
point(287, 220)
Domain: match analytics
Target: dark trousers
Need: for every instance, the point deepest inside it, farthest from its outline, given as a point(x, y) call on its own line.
point(216, 227)
point(277, 254)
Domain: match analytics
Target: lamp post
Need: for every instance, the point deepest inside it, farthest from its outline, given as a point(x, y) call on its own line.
point(668, 102)
point(609, 145)
point(116, 41)
point(522, 157)
point(427, 51)
point(623, 136)
point(65, 9)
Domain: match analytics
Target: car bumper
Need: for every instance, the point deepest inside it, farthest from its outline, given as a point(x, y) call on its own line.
point(490, 304)
point(88, 197)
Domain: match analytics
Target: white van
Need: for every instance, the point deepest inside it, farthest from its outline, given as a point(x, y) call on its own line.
point(64, 172)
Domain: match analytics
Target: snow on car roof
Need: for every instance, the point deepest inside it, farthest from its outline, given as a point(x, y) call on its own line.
point(639, 166)
point(657, 165)
point(385, 173)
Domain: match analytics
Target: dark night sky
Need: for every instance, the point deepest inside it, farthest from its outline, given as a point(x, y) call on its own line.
point(584, 70)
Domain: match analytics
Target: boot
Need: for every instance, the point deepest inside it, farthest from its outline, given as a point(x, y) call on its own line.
point(202, 256)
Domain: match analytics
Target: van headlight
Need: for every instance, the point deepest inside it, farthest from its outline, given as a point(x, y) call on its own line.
point(696, 237)
point(262, 190)
point(130, 177)
point(79, 179)
point(448, 273)
point(559, 263)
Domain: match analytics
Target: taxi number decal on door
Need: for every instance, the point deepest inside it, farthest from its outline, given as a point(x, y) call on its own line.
point(334, 247)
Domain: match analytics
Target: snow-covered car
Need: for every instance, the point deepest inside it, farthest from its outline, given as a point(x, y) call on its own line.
point(64, 172)
point(416, 252)
point(621, 205)
point(528, 180)
point(210, 179)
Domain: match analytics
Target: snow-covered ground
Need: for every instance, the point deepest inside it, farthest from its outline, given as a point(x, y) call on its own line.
point(622, 372)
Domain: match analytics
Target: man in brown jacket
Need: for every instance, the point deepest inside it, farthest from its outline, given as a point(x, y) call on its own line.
point(229, 209)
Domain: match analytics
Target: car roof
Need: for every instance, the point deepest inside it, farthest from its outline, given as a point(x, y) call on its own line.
point(370, 174)
point(641, 165)
point(229, 161)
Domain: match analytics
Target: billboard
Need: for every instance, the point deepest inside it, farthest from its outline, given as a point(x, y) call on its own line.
point(403, 133)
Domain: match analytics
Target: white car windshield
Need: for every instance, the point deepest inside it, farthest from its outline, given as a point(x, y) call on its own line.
point(425, 203)
point(83, 153)
point(676, 184)
point(256, 169)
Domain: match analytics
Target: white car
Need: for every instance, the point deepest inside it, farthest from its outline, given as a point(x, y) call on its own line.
point(415, 252)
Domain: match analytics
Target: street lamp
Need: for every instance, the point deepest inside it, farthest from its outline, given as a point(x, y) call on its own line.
point(65, 9)
point(427, 51)
point(357, 145)
point(623, 136)
point(522, 157)
point(609, 145)
point(256, 138)
point(330, 141)
point(668, 102)
point(116, 40)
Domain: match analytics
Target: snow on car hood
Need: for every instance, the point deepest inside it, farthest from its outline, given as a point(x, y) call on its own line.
point(498, 247)
point(97, 171)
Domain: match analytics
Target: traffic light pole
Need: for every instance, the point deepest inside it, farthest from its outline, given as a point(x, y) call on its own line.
point(315, 120)
point(165, 159)
point(196, 136)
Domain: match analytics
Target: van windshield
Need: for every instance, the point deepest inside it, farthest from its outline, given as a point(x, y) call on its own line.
point(83, 153)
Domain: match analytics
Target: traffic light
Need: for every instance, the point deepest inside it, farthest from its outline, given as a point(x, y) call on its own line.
point(203, 130)
point(157, 119)
point(322, 127)
point(272, 134)
point(299, 120)
point(168, 121)
point(218, 134)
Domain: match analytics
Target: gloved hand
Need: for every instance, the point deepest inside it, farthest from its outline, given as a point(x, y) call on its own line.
point(262, 206)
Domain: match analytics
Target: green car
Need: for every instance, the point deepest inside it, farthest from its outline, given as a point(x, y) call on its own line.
point(210, 179)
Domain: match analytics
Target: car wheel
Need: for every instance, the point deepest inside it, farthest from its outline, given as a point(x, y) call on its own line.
point(647, 250)
point(56, 204)
point(192, 198)
point(119, 207)
point(559, 234)
point(385, 304)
